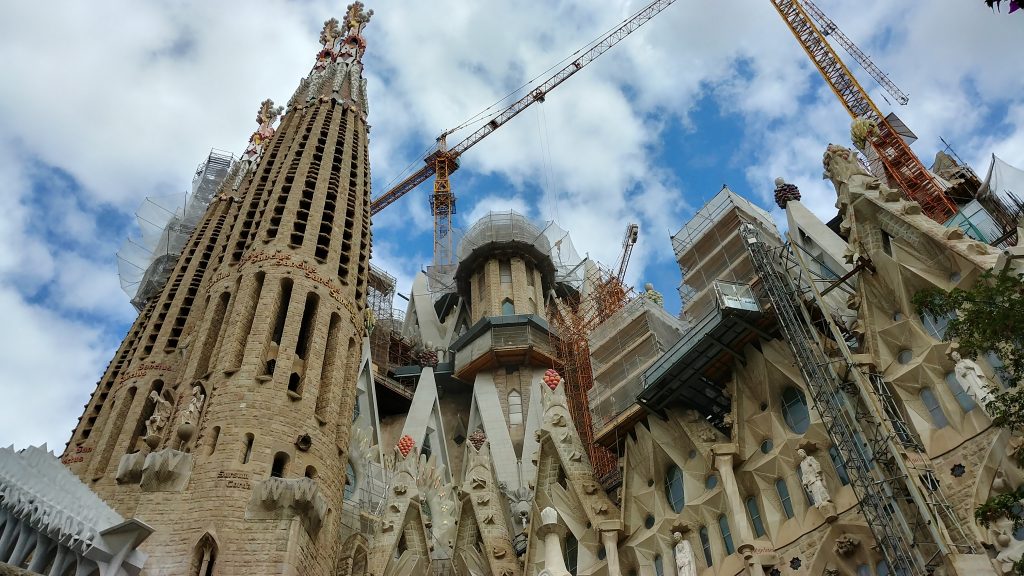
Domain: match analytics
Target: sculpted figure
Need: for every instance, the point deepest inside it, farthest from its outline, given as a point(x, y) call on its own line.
point(813, 481)
point(195, 405)
point(158, 419)
point(972, 379)
point(685, 565)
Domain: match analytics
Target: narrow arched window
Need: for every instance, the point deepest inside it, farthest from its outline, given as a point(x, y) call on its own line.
point(723, 525)
point(794, 410)
point(515, 408)
point(350, 481)
point(571, 553)
point(839, 464)
point(934, 408)
point(659, 567)
point(965, 401)
point(278, 468)
point(508, 308)
point(204, 557)
point(755, 516)
point(787, 503)
point(247, 448)
point(705, 544)
point(674, 488)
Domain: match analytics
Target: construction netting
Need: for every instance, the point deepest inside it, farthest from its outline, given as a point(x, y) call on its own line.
point(507, 228)
point(621, 349)
point(145, 261)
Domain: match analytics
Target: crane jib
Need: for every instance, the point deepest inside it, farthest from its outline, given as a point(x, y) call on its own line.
point(536, 95)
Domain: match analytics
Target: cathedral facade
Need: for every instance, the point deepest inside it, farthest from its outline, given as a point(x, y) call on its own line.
point(260, 417)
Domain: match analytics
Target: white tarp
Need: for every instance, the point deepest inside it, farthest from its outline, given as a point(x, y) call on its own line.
point(1004, 182)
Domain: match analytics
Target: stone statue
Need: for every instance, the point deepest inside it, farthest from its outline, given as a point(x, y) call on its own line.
point(972, 379)
point(685, 564)
point(158, 419)
point(814, 483)
point(195, 405)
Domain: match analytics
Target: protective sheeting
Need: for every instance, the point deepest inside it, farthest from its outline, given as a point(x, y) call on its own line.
point(552, 241)
point(1004, 183)
point(144, 262)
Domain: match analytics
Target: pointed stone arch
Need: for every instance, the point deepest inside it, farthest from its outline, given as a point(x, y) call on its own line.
point(354, 557)
point(204, 556)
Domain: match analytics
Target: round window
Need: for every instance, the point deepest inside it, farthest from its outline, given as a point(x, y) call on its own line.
point(897, 315)
point(649, 521)
point(766, 445)
point(905, 356)
point(711, 481)
point(954, 277)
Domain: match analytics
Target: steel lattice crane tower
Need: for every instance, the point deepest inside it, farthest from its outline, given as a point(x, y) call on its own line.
point(443, 161)
point(900, 162)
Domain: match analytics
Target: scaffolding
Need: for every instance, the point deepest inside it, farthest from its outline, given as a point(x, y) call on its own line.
point(708, 249)
point(145, 262)
point(621, 349)
point(601, 295)
point(897, 490)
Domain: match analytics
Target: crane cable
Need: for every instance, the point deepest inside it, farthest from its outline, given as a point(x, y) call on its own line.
point(477, 117)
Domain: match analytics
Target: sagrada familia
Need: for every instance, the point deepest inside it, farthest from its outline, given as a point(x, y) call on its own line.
point(799, 417)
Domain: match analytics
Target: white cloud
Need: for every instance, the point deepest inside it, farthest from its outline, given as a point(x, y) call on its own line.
point(127, 98)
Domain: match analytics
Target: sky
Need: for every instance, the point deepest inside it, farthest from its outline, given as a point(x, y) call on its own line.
point(103, 105)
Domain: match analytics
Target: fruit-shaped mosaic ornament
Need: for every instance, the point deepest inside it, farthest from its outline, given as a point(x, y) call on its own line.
point(551, 378)
point(406, 444)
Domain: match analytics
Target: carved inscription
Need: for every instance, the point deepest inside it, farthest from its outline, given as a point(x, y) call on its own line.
point(77, 456)
point(308, 270)
point(234, 479)
point(142, 370)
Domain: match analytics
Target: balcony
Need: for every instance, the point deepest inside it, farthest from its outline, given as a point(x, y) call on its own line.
point(517, 340)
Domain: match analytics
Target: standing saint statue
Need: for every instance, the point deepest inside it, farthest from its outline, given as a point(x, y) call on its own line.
point(158, 419)
point(813, 481)
point(972, 379)
point(685, 564)
point(195, 405)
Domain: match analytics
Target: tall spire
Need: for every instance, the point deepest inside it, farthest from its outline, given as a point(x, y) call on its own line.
point(338, 71)
point(265, 118)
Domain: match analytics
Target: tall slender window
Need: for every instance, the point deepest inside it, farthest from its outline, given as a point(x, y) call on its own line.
point(659, 567)
point(794, 410)
point(247, 448)
point(839, 464)
point(783, 490)
point(755, 516)
point(505, 271)
point(571, 553)
point(723, 525)
point(350, 481)
point(934, 409)
point(965, 401)
point(705, 544)
point(674, 488)
point(936, 325)
point(515, 409)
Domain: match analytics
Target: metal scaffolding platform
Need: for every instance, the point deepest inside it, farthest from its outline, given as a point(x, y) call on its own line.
point(695, 370)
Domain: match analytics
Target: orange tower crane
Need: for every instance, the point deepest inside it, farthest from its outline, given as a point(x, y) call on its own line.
point(443, 161)
point(899, 160)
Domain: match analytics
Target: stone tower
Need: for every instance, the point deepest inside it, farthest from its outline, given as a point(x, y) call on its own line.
point(223, 421)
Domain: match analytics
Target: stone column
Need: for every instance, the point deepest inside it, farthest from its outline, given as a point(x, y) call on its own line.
point(610, 541)
point(553, 533)
point(725, 455)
